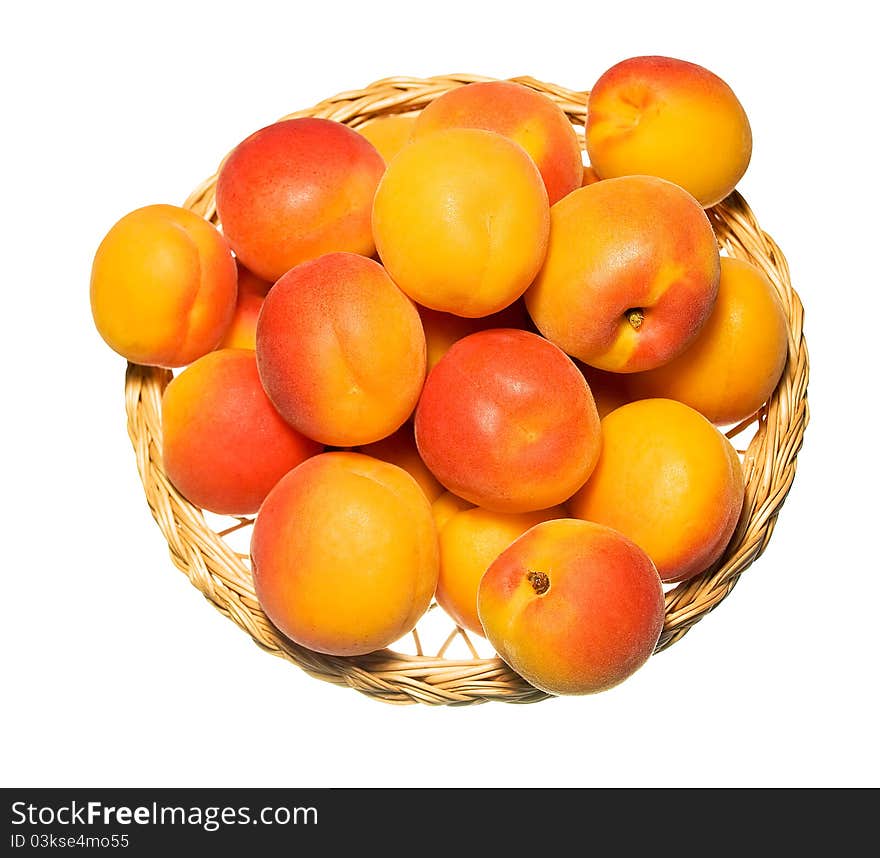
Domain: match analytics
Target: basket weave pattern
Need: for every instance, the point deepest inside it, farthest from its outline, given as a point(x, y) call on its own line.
point(223, 575)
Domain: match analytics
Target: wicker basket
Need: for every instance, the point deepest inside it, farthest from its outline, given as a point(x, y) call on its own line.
point(203, 549)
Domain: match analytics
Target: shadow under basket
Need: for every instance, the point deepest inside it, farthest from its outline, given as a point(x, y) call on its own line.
point(202, 546)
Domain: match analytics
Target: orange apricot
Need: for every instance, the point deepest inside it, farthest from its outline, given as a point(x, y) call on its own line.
point(461, 221)
point(666, 117)
point(400, 449)
point(389, 133)
point(344, 554)
point(163, 286)
point(445, 507)
point(670, 481)
point(242, 330)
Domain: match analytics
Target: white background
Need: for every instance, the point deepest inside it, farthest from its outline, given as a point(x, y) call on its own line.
point(117, 672)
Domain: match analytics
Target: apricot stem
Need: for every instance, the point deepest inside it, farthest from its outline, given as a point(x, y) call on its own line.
point(539, 581)
point(635, 317)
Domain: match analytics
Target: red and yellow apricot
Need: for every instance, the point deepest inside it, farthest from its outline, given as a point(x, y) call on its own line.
point(344, 554)
point(389, 133)
point(341, 350)
point(400, 449)
point(461, 221)
point(506, 421)
point(524, 115)
point(631, 274)
point(572, 606)
point(224, 446)
point(665, 117)
point(295, 190)
point(163, 286)
point(670, 481)
point(734, 364)
point(470, 541)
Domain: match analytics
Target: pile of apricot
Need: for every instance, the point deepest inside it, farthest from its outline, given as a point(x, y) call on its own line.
point(445, 357)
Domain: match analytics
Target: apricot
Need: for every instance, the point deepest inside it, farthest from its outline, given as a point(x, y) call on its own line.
point(470, 541)
point(631, 274)
point(461, 221)
point(573, 607)
point(524, 115)
point(344, 554)
point(400, 449)
point(608, 388)
point(666, 117)
point(242, 330)
point(444, 329)
point(389, 133)
point(163, 286)
point(295, 190)
point(224, 446)
point(341, 350)
point(445, 507)
point(250, 283)
point(734, 364)
point(670, 481)
point(506, 421)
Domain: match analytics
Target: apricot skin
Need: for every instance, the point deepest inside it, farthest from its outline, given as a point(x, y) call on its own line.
point(631, 274)
point(389, 133)
point(445, 507)
point(344, 554)
point(670, 481)
point(506, 421)
point(224, 445)
point(163, 286)
point(400, 449)
point(461, 221)
point(295, 190)
point(242, 330)
point(572, 606)
point(444, 329)
point(666, 117)
point(341, 350)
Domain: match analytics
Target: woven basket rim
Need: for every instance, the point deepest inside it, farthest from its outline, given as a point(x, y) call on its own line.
point(223, 576)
